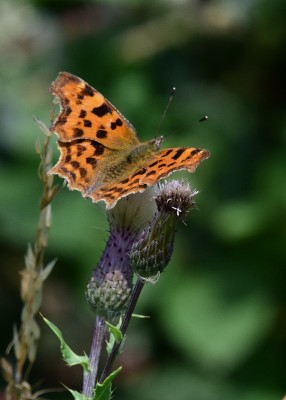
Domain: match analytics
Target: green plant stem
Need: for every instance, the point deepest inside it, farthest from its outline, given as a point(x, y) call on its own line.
point(127, 317)
point(90, 377)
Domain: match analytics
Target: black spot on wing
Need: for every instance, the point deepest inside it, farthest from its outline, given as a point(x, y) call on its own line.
point(196, 151)
point(115, 189)
point(66, 146)
point(102, 110)
point(101, 133)
point(72, 175)
point(153, 164)
point(98, 148)
point(62, 119)
point(68, 110)
point(82, 172)
point(88, 91)
point(108, 196)
point(140, 172)
point(77, 132)
point(92, 161)
point(87, 123)
point(80, 149)
point(116, 123)
point(75, 164)
point(179, 152)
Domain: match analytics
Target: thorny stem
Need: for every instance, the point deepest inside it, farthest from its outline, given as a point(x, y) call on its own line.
point(127, 317)
point(89, 378)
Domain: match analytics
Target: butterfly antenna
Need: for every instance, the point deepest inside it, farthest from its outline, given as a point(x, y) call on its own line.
point(173, 91)
point(204, 118)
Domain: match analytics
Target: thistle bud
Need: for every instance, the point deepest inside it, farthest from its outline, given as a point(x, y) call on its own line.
point(110, 285)
point(152, 251)
point(108, 297)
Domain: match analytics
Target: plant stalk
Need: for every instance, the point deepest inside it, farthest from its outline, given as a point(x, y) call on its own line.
point(90, 377)
point(127, 317)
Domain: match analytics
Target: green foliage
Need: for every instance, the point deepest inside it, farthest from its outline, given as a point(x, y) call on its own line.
point(103, 390)
point(78, 396)
point(140, 316)
point(69, 356)
point(114, 337)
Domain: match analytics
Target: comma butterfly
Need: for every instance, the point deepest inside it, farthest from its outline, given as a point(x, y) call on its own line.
point(101, 155)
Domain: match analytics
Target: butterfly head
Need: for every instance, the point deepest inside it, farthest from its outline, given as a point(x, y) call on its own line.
point(156, 143)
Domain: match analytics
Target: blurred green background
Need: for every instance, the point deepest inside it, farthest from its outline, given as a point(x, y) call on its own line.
point(218, 314)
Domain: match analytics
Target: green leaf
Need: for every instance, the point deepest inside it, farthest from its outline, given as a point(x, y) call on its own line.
point(68, 355)
point(103, 390)
point(77, 395)
point(115, 331)
point(115, 335)
point(140, 316)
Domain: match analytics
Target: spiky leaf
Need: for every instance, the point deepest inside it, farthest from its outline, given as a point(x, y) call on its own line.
point(103, 390)
point(68, 355)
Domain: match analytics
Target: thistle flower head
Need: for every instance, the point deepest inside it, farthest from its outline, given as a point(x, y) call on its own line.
point(151, 252)
point(110, 285)
point(109, 296)
point(176, 197)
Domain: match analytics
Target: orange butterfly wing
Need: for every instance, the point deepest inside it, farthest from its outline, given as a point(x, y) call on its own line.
point(159, 165)
point(86, 114)
point(101, 155)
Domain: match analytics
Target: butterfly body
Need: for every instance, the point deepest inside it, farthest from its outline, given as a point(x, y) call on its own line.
point(101, 155)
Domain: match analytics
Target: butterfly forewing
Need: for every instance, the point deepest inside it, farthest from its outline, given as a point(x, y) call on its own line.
point(86, 114)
